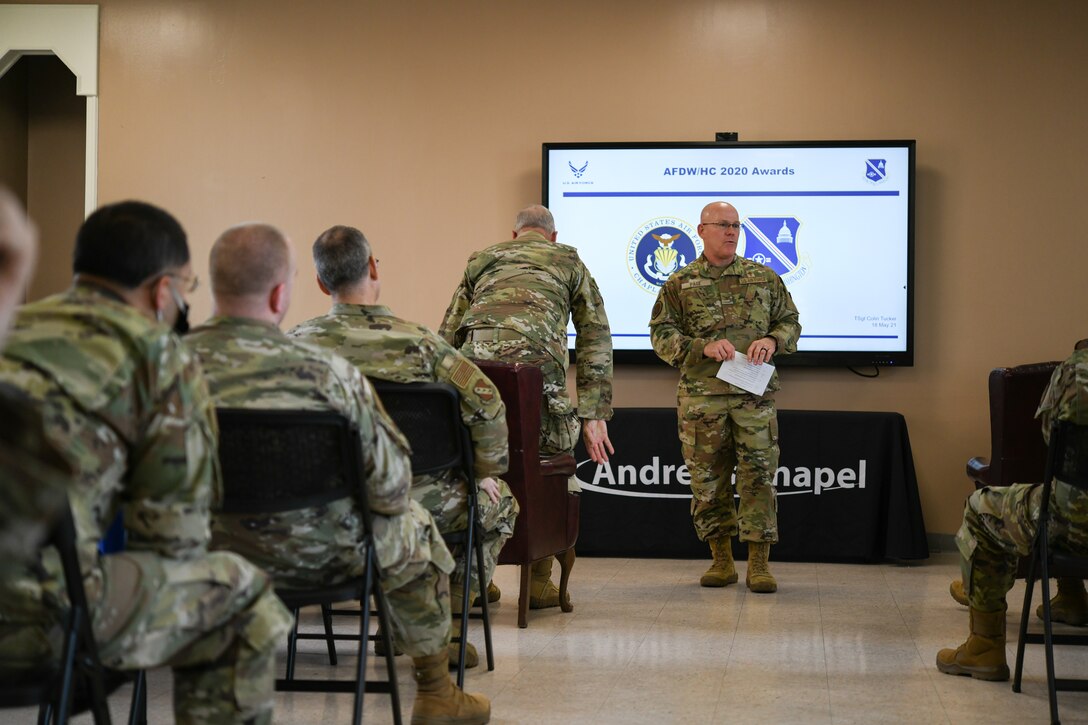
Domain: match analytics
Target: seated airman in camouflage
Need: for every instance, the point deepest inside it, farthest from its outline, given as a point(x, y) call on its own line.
point(385, 347)
point(513, 305)
point(126, 403)
point(250, 363)
point(999, 525)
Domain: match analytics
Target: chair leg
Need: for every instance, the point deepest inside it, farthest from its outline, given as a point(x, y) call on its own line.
point(137, 714)
point(292, 644)
point(1029, 586)
point(466, 592)
point(1048, 633)
point(485, 611)
point(330, 641)
point(566, 563)
point(523, 597)
point(382, 607)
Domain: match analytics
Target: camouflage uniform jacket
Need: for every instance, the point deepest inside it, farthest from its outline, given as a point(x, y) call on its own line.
point(1066, 398)
point(128, 406)
point(385, 347)
point(741, 302)
point(533, 286)
point(252, 364)
point(34, 480)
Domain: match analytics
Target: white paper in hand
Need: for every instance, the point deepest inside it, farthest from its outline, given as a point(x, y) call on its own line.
point(744, 375)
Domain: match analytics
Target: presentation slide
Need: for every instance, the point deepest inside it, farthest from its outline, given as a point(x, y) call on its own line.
point(832, 221)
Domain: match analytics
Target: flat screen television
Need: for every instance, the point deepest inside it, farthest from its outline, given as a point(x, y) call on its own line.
point(834, 218)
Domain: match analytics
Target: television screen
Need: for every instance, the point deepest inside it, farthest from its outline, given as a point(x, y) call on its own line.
point(835, 219)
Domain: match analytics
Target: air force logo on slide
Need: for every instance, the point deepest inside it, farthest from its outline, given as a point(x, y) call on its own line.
point(772, 241)
point(578, 170)
point(876, 170)
point(660, 247)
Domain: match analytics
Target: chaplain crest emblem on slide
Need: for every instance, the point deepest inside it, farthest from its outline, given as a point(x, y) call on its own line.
point(772, 241)
point(659, 248)
point(876, 170)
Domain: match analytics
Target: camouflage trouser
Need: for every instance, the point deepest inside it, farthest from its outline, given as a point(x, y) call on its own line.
point(320, 546)
point(559, 424)
point(717, 434)
point(999, 525)
point(446, 499)
point(415, 567)
point(214, 619)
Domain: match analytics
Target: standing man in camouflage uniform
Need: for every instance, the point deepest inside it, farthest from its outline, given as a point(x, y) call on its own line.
point(385, 347)
point(999, 525)
point(513, 305)
point(127, 404)
point(249, 363)
point(705, 313)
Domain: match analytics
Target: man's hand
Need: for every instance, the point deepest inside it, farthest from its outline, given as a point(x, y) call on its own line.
point(491, 487)
point(762, 350)
point(595, 435)
point(18, 250)
point(720, 350)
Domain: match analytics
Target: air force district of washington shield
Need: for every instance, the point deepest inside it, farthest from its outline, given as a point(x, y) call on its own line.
point(772, 241)
point(660, 247)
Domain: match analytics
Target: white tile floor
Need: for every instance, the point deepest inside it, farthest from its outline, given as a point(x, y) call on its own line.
point(645, 644)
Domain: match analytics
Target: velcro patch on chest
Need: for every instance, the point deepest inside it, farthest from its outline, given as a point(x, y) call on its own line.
point(693, 283)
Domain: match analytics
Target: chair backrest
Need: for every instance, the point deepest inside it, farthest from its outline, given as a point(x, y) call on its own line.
point(544, 525)
point(1017, 450)
point(1068, 457)
point(429, 416)
point(283, 460)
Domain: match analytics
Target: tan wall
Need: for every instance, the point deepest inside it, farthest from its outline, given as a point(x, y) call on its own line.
point(421, 123)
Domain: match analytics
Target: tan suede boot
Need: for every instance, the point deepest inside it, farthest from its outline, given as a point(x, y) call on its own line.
point(982, 656)
point(958, 593)
point(542, 593)
point(1070, 604)
point(721, 571)
point(472, 659)
point(439, 701)
point(759, 578)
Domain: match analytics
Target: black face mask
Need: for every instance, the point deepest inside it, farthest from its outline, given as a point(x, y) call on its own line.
point(181, 325)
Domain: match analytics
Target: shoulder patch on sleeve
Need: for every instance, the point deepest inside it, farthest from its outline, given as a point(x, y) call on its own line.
point(462, 373)
point(484, 391)
point(657, 309)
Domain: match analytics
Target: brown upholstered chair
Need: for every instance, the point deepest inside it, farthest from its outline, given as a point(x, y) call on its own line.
point(548, 522)
point(1017, 449)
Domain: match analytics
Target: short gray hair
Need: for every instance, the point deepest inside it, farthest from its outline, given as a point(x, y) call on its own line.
point(535, 216)
point(341, 256)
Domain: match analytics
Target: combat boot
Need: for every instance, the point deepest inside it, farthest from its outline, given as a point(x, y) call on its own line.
point(759, 578)
point(439, 701)
point(982, 656)
point(472, 659)
point(542, 593)
point(1070, 604)
point(493, 594)
point(958, 593)
point(722, 570)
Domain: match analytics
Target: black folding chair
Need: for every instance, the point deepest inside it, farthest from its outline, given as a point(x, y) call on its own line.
point(53, 689)
point(274, 460)
point(429, 416)
point(1067, 461)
